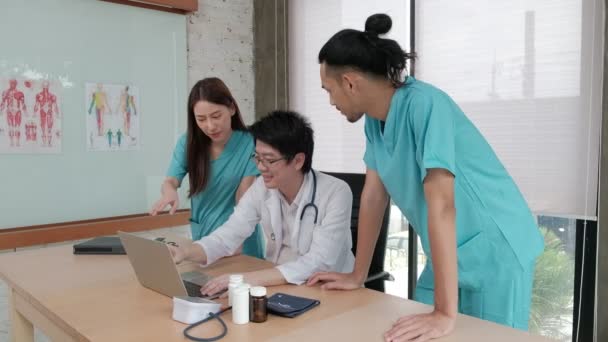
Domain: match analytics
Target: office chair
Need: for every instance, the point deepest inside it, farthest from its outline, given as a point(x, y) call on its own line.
point(377, 275)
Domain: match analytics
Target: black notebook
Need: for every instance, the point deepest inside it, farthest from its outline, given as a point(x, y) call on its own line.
point(100, 245)
point(285, 305)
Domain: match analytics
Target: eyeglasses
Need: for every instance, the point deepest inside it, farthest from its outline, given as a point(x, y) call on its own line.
point(266, 162)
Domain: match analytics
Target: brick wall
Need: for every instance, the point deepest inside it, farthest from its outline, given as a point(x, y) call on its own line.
point(220, 43)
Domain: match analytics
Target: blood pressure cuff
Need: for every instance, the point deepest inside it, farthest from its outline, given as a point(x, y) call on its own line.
point(285, 305)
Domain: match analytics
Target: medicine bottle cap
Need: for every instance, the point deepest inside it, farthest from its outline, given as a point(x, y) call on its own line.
point(258, 291)
point(236, 278)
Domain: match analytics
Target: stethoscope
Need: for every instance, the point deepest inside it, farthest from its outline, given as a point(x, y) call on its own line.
point(310, 204)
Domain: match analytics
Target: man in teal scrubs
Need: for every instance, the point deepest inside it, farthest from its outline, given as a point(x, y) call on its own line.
point(480, 237)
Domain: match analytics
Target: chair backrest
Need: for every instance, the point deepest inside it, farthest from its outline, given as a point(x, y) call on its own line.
point(356, 182)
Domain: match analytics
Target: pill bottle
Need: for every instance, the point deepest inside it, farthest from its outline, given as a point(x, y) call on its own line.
point(235, 280)
point(240, 305)
point(257, 304)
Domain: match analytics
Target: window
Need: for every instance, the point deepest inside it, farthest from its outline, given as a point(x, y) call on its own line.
point(339, 145)
point(529, 76)
point(551, 313)
point(398, 254)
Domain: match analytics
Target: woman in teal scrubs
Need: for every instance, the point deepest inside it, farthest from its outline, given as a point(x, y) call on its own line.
point(476, 229)
point(216, 154)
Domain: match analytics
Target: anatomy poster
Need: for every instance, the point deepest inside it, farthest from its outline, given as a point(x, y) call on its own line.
point(30, 116)
point(112, 112)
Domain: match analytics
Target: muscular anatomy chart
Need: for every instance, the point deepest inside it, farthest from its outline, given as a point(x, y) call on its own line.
point(46, 108)
point(113, 114)
point(30, 116)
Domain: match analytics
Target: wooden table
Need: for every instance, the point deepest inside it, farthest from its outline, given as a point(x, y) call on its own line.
point(98, 298)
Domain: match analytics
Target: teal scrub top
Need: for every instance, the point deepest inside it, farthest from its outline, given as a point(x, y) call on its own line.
point(213, 206)
point(425, 129)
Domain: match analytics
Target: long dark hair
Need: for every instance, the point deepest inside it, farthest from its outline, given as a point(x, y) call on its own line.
point(198, 148)
point(366, 52)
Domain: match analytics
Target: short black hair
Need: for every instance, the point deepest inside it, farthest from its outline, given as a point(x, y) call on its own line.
point(288, 132)
point(366, 51)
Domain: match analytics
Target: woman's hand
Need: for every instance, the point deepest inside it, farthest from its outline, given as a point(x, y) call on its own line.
point(169, 197)
point(165, 200)
point(178, 253)
point(421, 327)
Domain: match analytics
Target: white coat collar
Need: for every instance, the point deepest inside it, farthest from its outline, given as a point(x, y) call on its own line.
point(273, 203)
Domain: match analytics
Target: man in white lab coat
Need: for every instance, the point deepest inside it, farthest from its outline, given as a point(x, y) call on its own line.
point(306, 225)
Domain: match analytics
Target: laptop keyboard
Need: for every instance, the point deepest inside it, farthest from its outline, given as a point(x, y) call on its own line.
point(194, 290)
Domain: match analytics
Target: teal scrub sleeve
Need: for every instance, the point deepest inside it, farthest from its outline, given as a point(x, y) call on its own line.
point(251, 169)
point(369, 158)
point(432, 120)
point(178, 166)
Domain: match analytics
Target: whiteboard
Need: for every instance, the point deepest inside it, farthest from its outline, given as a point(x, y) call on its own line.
point(75, 42)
